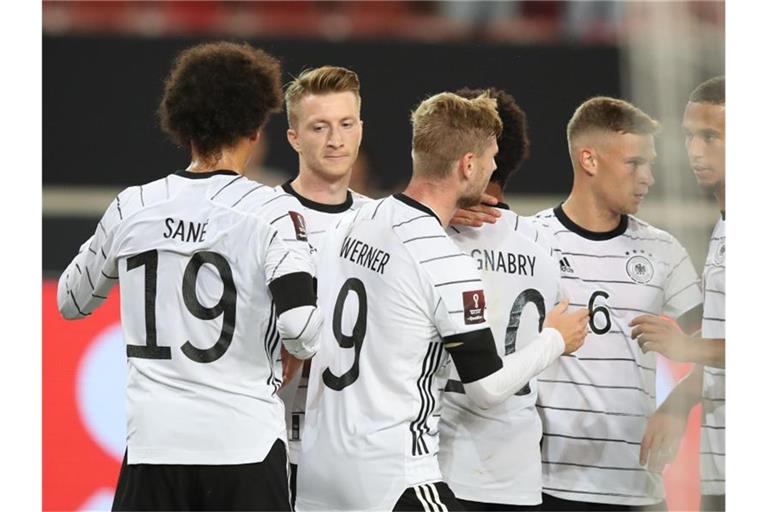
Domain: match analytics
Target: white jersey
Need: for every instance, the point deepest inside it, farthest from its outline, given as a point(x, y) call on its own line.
point(493, 455)
point(320, 218)
point(194, 254)
point(398, 293)
point(595, 402)
point(712, 437)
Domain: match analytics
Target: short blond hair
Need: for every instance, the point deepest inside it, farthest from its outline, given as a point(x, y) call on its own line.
point(606, 114)
point(446, 126)
point(322, 80)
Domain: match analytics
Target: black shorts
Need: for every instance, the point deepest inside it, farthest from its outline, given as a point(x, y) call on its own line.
point(433, 497)
point(476, 506)
point(552, 504)
point(258, 486)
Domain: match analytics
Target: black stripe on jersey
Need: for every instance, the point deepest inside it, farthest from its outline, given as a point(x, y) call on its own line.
point(713, 319)
point(108, 276)
point(618, 256)
point(627, 359)
point(709, 290)
point(548, 216)
point(714, 238)
point(104, 255)
point(443, 257)
point(617, 308)
point(276, 198)
point(141, 194)
point(458, 282)
point(437, 305)
point(537, 237)
point(78, 269)
point(119, 211)
point(711, 399)
point(611, 468)
point(681, 291)
point(648, 239)
point(592, 411)
point(712, 453)
point(712, 480)
point(595, 493)
point(425, 216)
point(517, 221)
point(455, 229)
point(608, 281)
point(602, 386)
point(88, 275)
point(278, 218)
point(377, 209)
point(274, 271)
point(713, 427)
point(167, 189)
point(225, 186)
point(305, 326)
point(90, 249)
point(596, 439)
point(678, 264)
point(423, 238)
point(272, 239)
point(254, 189)
point(98, 296)
point(79, 311)
point(424, 383)
point(102, 227)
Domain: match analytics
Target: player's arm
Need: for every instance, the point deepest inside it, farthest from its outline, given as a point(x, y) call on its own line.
point(86, 282)
point(662, 335)
point(290, 279)
point(666, 427)
point(489, 380)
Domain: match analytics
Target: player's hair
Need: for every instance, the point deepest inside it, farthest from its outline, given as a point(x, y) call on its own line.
point(217, 93)
point(446, 126)
point(322, 80)
point(711, 91)
point(514, 145)
point(602, 113)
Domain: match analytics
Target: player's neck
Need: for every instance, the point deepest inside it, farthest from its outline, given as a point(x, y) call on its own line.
point(589, 214)
point(320, 189)
point(233, 159)
point(434, 197)
point(720, 196)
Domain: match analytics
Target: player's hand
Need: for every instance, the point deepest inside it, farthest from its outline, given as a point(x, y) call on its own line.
point(661, 441)
point(572, 326)
point(291, 364)
point(657, 334)
point(476, 215)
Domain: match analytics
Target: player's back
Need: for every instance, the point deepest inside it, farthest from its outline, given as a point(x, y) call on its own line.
point(391, 278)
point(493, 455)
point(194, 254)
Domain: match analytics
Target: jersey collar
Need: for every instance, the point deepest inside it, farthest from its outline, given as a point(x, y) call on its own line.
point(585, 233)
point(320, 207)
point(203, 175)
point(415, 204)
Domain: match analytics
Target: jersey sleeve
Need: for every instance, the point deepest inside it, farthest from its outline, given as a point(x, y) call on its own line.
point(86, 282)
point(682, 288)
point(285, 214)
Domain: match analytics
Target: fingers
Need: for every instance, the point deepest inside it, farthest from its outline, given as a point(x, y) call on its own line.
point(488, 199)
point(645, 445)
point(642, 319)
point(461, 220)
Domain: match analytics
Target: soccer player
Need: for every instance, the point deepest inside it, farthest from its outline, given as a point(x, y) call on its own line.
point(491, 458)
point(325, 129)
point(212, 269)
point(402, 294)
point(595, 403)
point(704, 127)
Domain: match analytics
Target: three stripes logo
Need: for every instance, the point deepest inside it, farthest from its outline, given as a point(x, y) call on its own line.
point(565, 266)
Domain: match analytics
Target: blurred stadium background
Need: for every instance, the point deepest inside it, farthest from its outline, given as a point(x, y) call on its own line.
point(103, 66)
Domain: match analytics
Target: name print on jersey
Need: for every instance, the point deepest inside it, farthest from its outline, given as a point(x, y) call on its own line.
point(186, 231)
point(504, 262)
point(365, 255)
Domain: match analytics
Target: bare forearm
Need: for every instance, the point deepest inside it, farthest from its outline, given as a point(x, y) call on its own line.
point(686, 394)
point(707, 352)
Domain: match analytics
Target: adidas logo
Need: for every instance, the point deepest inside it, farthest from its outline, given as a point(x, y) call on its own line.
point(565, 266)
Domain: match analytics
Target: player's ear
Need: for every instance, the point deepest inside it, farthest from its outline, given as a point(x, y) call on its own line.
point(293, 139)
point(467, 164)
point(587, 158)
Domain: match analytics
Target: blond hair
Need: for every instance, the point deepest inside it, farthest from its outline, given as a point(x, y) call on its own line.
point(606, 114)
point(446, 126)
point(323, 80)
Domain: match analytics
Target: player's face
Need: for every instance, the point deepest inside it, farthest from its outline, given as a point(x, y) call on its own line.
point(327, 134)
point(624, 170)
point(484, 164)
point(704, 129)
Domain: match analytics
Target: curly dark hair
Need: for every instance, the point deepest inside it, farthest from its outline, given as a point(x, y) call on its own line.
point(217, 93)
point(514, 145)
point(711, 91)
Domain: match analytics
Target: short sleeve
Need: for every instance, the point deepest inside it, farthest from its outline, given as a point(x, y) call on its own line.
point(682, 289)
